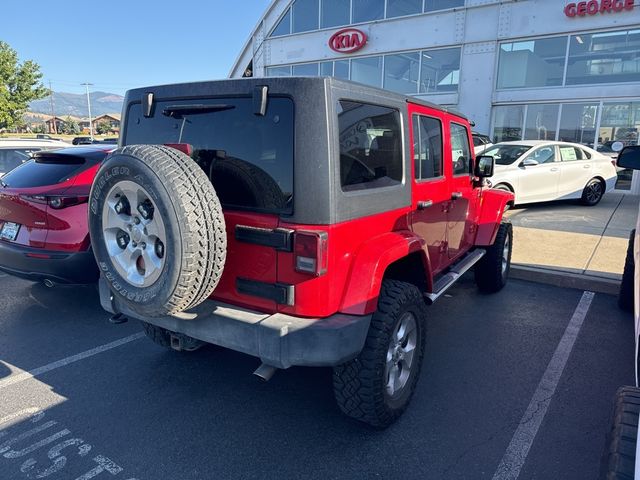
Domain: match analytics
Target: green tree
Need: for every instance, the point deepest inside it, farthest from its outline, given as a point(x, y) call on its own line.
point(103, 128)
point(70, 127)
point(19, 85)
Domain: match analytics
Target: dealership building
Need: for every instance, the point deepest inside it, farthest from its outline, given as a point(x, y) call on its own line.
point(525, 69)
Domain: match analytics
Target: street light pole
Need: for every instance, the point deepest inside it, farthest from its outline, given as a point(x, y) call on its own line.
point(87, 84)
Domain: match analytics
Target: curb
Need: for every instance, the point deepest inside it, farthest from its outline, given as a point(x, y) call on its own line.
point(565, 279)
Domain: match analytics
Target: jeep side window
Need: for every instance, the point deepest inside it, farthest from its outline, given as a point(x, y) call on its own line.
point(460, 151)
point(370, 146)
point(427, 147)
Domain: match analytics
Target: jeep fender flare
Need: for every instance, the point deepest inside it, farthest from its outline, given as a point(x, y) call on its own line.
point(492, 205)
point(370, 264)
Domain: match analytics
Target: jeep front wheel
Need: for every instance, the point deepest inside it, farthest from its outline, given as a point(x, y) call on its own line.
point(492, 271)
point(377, 385)
point(157, 229)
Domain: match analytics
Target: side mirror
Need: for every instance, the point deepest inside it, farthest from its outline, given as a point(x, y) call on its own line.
point(484, 166)
point(629, 157)
point(530, 162)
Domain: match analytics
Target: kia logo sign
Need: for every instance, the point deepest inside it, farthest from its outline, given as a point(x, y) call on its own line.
point(347, 40)
point(594, 7)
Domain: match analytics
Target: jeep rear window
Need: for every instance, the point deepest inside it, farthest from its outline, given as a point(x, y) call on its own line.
point(370, 146)
point(249, 158)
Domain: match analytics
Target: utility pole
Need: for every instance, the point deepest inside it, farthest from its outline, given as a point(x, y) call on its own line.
point(87, 84)
point(53, 115)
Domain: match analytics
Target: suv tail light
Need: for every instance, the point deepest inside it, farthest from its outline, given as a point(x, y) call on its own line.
point(310, 252)
point(56, 201)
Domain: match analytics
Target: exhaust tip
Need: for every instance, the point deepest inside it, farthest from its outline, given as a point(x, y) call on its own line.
point(48, 283)
point(264, 372)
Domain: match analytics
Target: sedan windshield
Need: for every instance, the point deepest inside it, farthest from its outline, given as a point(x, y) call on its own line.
point(506, 154)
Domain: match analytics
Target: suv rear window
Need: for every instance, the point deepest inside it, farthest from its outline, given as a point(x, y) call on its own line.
point(370, 146)
point(249, 158)
point(10, 158)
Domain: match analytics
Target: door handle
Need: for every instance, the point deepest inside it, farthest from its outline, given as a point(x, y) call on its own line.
point(554, 169)
point(422, 204)
point(456, 195)
point(586, 166)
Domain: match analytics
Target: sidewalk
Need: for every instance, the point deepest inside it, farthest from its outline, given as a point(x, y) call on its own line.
point(567, 244)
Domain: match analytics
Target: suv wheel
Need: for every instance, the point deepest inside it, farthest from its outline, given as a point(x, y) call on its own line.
point(377, 385)
point(625, 296)
point(618, 460)
point(492, 271)
point(157, 229)
point(593, 192)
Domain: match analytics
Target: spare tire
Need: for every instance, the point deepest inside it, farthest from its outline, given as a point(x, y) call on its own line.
point(157, 229)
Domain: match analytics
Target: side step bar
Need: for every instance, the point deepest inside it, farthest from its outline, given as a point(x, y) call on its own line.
point(456, 271)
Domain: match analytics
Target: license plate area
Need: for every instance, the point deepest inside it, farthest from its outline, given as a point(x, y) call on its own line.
point(9, 231)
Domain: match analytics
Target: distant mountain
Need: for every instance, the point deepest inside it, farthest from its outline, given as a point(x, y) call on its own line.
point(76, 104)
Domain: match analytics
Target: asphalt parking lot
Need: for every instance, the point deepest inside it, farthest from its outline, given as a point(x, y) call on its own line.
point(82, 398)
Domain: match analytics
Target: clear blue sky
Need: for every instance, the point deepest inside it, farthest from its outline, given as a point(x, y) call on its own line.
point(118, 44)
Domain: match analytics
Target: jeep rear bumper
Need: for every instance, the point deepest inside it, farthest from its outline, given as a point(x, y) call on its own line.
point(277, 339)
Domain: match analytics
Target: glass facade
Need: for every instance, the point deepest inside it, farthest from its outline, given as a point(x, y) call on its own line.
point(308, 15)
point(590, 59)
point(411, 73)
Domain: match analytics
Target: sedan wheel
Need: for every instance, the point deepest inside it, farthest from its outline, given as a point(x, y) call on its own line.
point(593, 192)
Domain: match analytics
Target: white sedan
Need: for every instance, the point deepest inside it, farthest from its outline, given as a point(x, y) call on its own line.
point(539, 171)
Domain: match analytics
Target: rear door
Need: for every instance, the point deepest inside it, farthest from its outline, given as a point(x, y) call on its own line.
point(430, 190)
point(575, 170)
point(463, 197)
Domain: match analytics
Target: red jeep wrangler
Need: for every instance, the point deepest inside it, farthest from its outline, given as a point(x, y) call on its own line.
point(305, 221)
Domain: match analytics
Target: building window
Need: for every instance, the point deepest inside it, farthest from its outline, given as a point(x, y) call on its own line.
point(367, 10)
point(370, 146)
point(367, 70)
point(427, 147)
point(279, 71)
point(619, 122)
point(433, 5)
point(284, 26)
point(334, 13)
point(578, 123)
point(532, 63)
point(398, 8)
point(440, 70)
point(304, 15)
point(542, 122)
point(507, 123)
point(608, 57)
point(306, 69)
point(341, 69)
point(401, 72)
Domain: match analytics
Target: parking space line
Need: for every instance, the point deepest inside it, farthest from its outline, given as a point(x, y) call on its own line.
point(12, 379)
point(518, 449)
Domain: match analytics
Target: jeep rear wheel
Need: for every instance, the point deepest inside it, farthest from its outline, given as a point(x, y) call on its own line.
point(378, 384)
point(492, 271)
point(618, 459)
point(157, 229)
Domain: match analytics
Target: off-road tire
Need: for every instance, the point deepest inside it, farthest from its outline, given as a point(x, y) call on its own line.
point(247, 180)
point(359, 385)
point(618, 460)
point(490, 275)
point(586, 199)
point(195, 247)
point(625, 296)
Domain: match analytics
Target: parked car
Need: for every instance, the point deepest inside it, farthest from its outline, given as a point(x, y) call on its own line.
point(15, 151)
point(620, 460)
point(480, 142)
point(227, 238)
point(82, 141)
point(539, 171)
point(43, 216)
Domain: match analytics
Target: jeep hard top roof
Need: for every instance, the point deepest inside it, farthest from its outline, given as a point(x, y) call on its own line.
point(242, 85)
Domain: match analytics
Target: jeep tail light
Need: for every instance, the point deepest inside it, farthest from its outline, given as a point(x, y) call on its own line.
point(185, 148)
point(310, 252)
